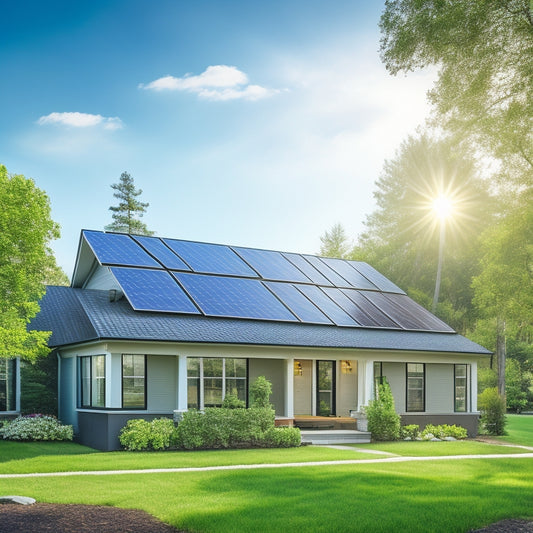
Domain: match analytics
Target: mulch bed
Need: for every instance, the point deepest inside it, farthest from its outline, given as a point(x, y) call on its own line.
point(39, 517)
point(42, 517)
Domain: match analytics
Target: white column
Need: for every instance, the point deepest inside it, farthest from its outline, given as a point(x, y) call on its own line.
point(289, 388)
point(182, 383)
point(365, 383)
point(473, 387)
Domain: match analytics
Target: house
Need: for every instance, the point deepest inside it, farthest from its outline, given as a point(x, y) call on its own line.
point(152, 326)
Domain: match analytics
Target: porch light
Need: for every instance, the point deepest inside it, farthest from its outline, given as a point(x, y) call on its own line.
point(298, 370)
point(346, 367)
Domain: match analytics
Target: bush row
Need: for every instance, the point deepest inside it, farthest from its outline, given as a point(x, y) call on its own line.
point(35, 427)
point(213, 428)
point(442, 431)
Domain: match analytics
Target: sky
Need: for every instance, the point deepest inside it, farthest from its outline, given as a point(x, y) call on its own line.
point(247, 123)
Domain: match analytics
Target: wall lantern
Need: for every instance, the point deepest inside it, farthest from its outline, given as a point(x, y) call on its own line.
point(298, 370)
point(346, 367)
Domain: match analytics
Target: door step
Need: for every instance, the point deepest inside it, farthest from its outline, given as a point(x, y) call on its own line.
point(335, 436)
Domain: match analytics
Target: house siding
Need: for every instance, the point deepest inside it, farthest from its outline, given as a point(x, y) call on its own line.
point(274, 371)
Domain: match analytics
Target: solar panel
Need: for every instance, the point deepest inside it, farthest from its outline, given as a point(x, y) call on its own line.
point(378, 279)
point(307, 268)
point(234, 297)
point(337, 315)
point(271, 265)
point(375, 316)
point(300, 305)
point(325, 270)
point(211, 258)
point(406, 312)
point(153, 290)
point(161, 252)
point(118, 249)
point(350, 274)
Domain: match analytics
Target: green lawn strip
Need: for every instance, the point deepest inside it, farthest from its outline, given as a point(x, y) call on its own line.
point(436, 449)
point(438, 496)
point(519, 429)
point(87, 459)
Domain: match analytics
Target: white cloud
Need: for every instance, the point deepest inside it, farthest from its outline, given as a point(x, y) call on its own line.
point(81, 120)
point(217, 82)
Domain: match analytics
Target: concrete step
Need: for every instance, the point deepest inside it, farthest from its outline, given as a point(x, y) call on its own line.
point(335, 436)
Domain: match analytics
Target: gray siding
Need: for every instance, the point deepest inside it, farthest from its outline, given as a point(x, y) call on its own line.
point(162, 386)
point(439, 388)
point(346, 390)
point(303, 389)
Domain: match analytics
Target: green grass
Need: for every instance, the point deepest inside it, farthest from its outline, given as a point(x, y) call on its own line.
point(438, 496)
point(519, 430)
point(27, 457)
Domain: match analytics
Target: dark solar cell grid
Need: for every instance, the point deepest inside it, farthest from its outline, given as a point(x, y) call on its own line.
point(234, 297)
point(118, 249)
point(162, 253)
point(335, 279)
point(344, 269)
point(374, 315)
point(378, 279)
point(153, 290)
point(307, 268)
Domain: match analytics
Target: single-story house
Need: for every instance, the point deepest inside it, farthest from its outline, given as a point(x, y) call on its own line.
point(153, 326)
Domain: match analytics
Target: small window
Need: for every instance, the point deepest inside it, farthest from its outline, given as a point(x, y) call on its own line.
point(416, 387)
point(133, 381)
point(460, 386)
point(92, 381)
point(8, 384)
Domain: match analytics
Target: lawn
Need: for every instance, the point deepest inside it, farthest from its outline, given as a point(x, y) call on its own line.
point(519, 429)
point(433, 496)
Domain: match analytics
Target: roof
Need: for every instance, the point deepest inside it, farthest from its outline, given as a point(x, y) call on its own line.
point(77, 316)
point(183, 291)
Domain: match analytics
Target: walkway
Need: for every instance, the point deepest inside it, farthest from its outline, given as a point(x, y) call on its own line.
point(395, 459)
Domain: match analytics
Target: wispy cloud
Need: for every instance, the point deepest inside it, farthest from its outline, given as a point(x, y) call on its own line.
point(217, 82)
point(81, 120)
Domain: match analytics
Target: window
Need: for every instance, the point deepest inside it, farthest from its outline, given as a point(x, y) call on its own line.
point(416, 386)
point(133, 381)
point(8, 384)
point(460, 385)
point(92, 379)
point(210, 379)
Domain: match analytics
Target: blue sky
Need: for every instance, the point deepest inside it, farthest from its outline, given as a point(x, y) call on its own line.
point(251, 123)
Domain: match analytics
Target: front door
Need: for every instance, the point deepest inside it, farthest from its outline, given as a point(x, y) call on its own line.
point(325, 387)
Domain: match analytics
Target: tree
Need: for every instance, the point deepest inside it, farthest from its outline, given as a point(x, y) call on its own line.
point(334, 243)
point(402, 235)
point(125, 214)
point(26, 228)
point(484, 52)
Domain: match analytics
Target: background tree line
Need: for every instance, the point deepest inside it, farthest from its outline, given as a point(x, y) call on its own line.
point(477, 149)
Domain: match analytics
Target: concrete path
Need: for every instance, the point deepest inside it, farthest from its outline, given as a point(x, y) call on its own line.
point(395, 459)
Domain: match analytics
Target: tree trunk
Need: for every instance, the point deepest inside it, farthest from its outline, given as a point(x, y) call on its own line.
point(500, 354)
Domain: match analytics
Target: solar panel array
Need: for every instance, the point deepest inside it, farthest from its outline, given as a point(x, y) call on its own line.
point(176, 276)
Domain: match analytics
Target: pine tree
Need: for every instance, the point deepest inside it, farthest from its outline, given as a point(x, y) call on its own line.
point(129, 208)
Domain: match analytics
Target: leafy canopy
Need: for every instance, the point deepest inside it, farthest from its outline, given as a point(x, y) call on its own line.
point(334, 243)
point(129, 208)
point(26, 228)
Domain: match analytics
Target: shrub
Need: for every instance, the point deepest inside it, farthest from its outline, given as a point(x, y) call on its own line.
point(139, 434)
point(232, 402)
point(442, 431)
point(412, 432)
point(492, 407)
point(260, 391)
point(282, 437)
point(383, 421)
point(36, 427)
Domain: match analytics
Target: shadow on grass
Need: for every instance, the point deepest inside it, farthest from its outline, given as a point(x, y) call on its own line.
point(16, 450)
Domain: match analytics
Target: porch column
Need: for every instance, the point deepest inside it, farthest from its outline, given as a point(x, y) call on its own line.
point(182, 382)
point(365, 383)
point(473, 388)
point(289, 388)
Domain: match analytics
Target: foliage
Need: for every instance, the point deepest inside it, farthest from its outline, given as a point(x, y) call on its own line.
point(517, 386)
point(334, 243)
point(129, 208)
point(492, 407)
point(217, 427)
point(486, 377)
point(402, 235)
point(36, 427)
point(383, 421)
point(410, 432)
point(139, 434)
point(282, 437)
point(260, 391)
point(442, 431)
point(26, 230)
point(231, 401)
point(484, 52)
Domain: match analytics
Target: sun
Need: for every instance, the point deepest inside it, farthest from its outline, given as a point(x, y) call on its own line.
point(442, 207)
